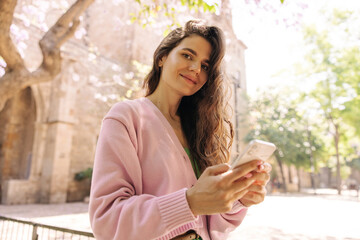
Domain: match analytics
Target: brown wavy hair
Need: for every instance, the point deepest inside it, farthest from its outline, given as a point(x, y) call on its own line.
point(204, 115)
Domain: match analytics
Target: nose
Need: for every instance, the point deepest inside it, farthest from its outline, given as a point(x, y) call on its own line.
point(196, 67)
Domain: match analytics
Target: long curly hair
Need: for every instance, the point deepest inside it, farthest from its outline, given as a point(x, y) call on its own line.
point(204, 115)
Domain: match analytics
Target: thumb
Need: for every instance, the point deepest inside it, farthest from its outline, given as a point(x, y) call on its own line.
point(217, 169)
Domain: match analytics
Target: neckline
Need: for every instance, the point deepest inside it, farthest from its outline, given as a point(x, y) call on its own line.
point(174, 138)
point(167, 125)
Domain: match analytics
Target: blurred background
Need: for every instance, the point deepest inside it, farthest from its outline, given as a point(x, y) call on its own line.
point(293, 69)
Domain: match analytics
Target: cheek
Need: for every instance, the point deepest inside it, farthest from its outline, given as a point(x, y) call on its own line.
point(203, 78)
point(168, 72)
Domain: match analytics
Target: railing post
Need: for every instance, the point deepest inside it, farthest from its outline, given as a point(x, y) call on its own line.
point(34, 233)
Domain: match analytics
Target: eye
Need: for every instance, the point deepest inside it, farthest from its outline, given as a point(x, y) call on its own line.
point(187, 56)
point(205, 67)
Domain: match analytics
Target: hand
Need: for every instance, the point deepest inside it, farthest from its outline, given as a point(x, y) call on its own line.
point(257, 191)
point(219, 187)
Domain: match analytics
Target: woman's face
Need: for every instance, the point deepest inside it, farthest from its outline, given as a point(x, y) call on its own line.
point(185, 69)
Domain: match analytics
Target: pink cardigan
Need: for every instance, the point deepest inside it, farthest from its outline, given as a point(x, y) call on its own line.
point(141, 174)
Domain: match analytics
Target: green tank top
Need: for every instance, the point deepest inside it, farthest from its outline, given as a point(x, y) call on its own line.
point(194, 163)
point(196, 170)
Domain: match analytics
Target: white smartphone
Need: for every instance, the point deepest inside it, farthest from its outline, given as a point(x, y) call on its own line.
point(256, 150)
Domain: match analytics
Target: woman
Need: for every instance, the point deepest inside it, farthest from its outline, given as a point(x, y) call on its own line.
point(160, 168)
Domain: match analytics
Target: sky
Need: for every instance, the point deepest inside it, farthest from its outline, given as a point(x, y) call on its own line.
point(274, 45)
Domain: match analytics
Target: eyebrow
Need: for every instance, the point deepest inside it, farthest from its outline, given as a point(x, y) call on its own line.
point(194, 53)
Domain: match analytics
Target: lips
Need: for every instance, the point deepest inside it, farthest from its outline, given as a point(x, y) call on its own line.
point(190, 78)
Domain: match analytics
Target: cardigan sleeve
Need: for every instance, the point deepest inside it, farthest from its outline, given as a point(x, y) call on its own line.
point(118, 209)
point(220, 225)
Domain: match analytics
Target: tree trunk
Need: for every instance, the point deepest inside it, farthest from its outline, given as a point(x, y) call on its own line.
point(289, 175)
point(338, 176)
point(329, 176)
point(299, 179)
point(282, 175)
point(312, 164)
point(312, 179)
point(16, 76)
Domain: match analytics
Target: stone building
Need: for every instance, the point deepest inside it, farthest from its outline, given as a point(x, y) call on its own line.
point(48, 132)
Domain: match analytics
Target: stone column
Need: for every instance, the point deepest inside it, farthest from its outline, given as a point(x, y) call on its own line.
point(56, 162)
point(60, 124)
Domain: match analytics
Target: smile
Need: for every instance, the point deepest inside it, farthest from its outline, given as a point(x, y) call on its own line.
point(189, 79)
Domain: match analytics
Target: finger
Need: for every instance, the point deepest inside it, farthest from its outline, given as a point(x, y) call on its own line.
point(261, 177)
point(242, 170)
point(254, 197)
point(260, 189)
point(249, 175)
point(266, 167)
point(240, 194)
point(239, 186)
point(245, 202)
point(217, 169)
point(258, 161)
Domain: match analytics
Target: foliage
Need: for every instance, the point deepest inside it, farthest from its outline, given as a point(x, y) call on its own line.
point(277, 119)
point(335, 65)
point(333, 58)
point(84, 174)
point(345, 171)
point(150, 11)
point(355, 163)
point(348, 72)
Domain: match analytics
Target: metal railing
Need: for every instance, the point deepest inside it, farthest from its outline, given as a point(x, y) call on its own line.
point(15, 229)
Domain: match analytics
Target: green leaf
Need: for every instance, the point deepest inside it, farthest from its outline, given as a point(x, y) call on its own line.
point(84, 174)
point(212, 9)
point(206, 7)
point(133, 19)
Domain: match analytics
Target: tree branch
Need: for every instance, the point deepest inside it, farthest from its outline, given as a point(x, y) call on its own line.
point(59, 33)
point(69, 33)
point(8, 51)
point(19, 77)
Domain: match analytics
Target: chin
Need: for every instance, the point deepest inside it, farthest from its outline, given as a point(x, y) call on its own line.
point(188, 93)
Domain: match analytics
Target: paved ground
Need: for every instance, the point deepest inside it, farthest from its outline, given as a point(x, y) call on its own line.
point(324, 216)
point(300, 217)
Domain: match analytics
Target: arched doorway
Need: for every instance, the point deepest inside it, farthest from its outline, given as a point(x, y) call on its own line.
point(17, 136)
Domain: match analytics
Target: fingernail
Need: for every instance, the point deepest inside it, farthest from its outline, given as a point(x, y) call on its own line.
point(260, 162)
point(261, 167)
point(249, 175)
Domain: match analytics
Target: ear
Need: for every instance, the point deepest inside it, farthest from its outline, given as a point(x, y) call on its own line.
point(161, 61)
